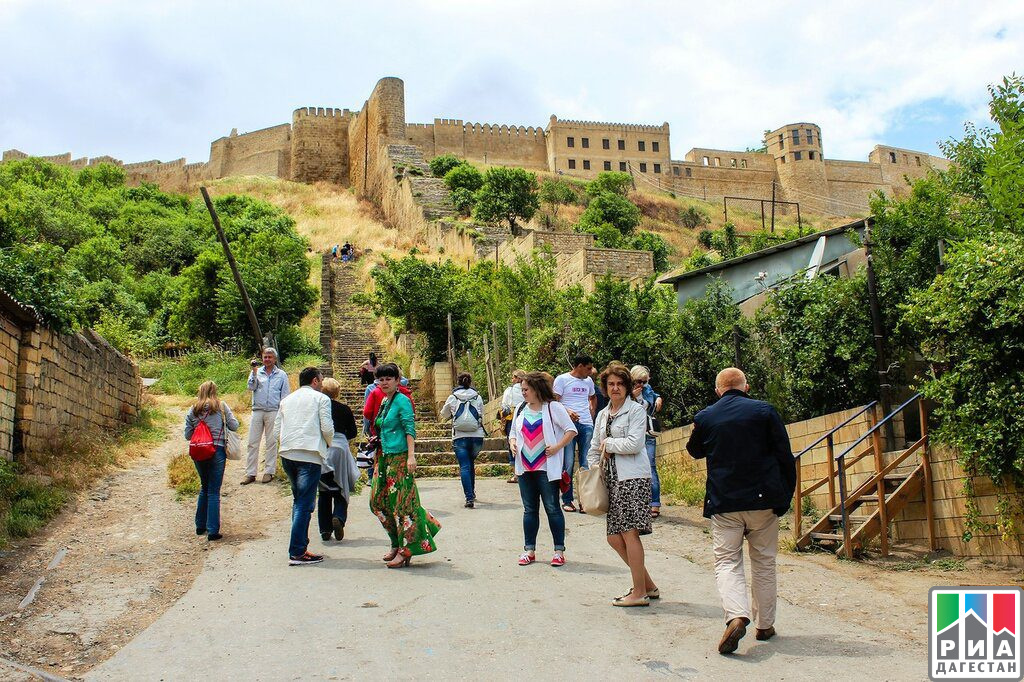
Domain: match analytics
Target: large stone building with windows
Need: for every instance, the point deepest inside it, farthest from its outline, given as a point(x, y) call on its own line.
point(316, 146)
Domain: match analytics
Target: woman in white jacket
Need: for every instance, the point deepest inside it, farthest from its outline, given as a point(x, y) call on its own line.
point(619, 447)
point(465, 408)
point(540, 431)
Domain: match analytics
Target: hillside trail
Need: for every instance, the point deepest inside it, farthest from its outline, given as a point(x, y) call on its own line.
point(122, 552)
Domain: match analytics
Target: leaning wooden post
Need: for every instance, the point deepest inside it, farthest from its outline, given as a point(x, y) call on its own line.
point(526, 313)
point(927, 465)
point(798, 511)
point(511, 357)
point(829, 450)
point(451, 353)
point(253, 322)
point(487, 368)
point(883, 511)
point(497, 355)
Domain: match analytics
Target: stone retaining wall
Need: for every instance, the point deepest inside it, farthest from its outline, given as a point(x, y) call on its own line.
point(64, 385)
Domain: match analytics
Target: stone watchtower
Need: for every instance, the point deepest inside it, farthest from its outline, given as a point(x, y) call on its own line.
point(796, 148)
point(320, 144)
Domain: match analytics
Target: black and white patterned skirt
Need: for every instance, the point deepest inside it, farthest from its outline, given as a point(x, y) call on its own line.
point(629, 502)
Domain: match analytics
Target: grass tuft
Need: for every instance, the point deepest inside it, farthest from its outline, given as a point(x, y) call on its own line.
point(679, 485)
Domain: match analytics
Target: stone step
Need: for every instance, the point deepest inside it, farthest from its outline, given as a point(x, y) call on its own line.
point(452, 471)
point(445, 444)
point(448, 458)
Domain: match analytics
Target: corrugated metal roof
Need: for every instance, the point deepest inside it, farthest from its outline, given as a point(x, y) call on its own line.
point(23, 314)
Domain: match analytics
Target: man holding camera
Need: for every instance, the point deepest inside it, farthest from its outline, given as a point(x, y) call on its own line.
point(269, 384)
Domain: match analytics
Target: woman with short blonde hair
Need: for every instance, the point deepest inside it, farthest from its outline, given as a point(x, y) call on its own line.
point(331, 388)
point(339, 483)
point(216, 414)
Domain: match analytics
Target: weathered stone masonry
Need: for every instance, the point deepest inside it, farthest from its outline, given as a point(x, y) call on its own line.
point(55, 385)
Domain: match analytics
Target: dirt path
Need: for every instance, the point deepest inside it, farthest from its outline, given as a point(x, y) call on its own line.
point(129, 553)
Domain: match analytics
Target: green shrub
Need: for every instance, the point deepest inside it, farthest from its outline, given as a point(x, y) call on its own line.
point(611, 209)
point(508, 194)
point(440, 165)
point(464, 176)
point(692, 218)
point(609, 182)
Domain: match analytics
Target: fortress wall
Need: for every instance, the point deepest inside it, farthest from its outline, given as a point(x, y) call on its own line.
point(381, 121)
point(501, 145)
point(261, 152)
point(724, 158)
point(422, 135)
point(319, 147)
point(593, 134)
point(563, 242)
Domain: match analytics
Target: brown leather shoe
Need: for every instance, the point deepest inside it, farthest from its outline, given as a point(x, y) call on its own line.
point(764, 635)
point(734, 632)
point(247, 480)
point(267, 478)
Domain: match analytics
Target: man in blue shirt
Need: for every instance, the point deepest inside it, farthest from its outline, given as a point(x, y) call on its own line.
point(269, 384)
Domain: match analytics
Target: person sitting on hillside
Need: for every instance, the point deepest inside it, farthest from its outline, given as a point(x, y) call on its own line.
point(751, 476)
point(465, 408)
point(367, 369)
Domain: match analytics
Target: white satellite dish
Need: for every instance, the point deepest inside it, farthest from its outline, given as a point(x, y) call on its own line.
point(816, 256)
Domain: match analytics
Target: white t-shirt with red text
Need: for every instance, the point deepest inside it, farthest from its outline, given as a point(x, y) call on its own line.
point(576, 395)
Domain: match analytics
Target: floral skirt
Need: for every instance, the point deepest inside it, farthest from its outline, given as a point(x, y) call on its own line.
point(629, 502)
point(395, 501)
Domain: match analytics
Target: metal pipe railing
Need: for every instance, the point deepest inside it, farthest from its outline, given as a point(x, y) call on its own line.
point(881, 423)
point(832, 431)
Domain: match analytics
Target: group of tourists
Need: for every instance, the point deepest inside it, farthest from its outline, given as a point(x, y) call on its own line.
point(344, 253)
point(553, 425)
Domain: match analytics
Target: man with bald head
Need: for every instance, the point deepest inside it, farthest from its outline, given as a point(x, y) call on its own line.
point(751, 475)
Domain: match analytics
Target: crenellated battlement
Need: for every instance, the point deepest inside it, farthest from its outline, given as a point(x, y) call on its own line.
point(320, 112)
point(624, 127)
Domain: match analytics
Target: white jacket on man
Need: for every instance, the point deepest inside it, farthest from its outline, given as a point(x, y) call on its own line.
point(303, 428)
point(627, 441)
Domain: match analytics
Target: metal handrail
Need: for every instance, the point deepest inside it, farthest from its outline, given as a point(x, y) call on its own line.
point(832, 431)
point(874, 428)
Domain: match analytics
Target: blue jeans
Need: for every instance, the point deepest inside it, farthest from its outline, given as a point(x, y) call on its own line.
point(580, 444)
point(466, 450)
point(655, 482)
point(304, 477)
point(535, 487)
point(211, 476)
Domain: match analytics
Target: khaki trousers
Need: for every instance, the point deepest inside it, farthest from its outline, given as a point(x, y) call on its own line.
point(761, 529)
point(261, 425)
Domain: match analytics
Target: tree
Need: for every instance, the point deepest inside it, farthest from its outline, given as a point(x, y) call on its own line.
point(508, 194)
point(612, 209)
point(557, 192)
point(609, 182)
point(464, 176)
point(440, 165)
point(656, 244)
point(693, 218)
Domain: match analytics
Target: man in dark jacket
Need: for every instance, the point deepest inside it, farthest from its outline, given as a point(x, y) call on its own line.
point(751, 475)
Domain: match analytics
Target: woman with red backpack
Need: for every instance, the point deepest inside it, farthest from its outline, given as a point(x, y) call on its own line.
point(207, 446)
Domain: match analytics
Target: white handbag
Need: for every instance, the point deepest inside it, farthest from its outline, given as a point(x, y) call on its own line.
point(232, 443)
point(593, 490)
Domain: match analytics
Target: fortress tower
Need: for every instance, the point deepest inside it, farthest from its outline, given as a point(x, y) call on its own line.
point(800, 165)
point(320, 144)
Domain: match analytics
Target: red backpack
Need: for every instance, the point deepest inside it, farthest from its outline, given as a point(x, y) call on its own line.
point(201, 446)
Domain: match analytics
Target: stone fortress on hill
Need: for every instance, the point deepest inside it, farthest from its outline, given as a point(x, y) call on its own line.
point(336, 145)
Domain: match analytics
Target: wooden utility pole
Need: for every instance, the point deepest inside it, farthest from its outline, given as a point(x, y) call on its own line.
point(878, 334)
point(497, 355)
point(773, 207)
point(451, 352)
point(253, 322)
point(526, 313)
point(487, 370)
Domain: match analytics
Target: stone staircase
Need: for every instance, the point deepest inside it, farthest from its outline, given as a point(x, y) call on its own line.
point(429, 192)
point(353, 337)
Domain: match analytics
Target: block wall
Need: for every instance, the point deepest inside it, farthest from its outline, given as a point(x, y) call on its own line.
point(381, 121)
point(594, 134)
point(10, 340)
point(69, 384)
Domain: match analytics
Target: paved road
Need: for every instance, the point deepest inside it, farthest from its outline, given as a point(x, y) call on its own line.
point(468, 611)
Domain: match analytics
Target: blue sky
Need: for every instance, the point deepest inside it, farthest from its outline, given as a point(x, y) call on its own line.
point(141, 80)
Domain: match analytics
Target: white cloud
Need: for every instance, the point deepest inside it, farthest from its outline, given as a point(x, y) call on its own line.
point(145, 79)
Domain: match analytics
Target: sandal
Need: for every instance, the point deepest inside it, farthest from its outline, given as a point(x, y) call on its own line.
point(390, 555)
point(525, 559)
point(619, 601)
point(569, 507)
point(655, 512)
point(651, 594)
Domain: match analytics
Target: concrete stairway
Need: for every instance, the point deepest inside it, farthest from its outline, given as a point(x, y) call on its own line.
point(353, 338)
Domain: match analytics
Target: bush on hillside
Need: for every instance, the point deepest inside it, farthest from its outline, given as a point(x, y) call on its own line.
point(560, 192)
point(509, 195)
point(440, 165)
point(609, 182)
point(611, 209)
point(693, 218)
point(464, 176)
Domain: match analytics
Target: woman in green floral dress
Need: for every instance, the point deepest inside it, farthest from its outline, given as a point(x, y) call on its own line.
point(394, 499)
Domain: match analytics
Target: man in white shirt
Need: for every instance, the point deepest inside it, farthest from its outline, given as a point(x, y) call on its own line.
point(269, 385)
point(303, 431)
point(575, 390)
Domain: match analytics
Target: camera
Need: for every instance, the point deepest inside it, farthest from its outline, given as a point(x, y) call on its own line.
point(254, 362)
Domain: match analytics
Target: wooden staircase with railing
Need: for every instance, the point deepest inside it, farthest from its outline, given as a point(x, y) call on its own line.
point(864, 513)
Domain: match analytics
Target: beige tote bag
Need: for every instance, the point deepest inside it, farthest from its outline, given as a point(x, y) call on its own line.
point(232, 443)
point(593, 490)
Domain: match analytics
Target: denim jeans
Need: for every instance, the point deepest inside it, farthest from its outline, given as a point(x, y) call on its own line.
point(655, 482)
point(577, 447)
point(466, 450)
point(534, 487)
point(304, 477)
point(330, 505)
point(211, 476)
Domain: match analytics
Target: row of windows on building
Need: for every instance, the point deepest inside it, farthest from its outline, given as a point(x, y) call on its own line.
point(798, 156)
point(606, 143)
point(808, 135)
point(717, 162)
point(623, 166)
point(906, 160)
